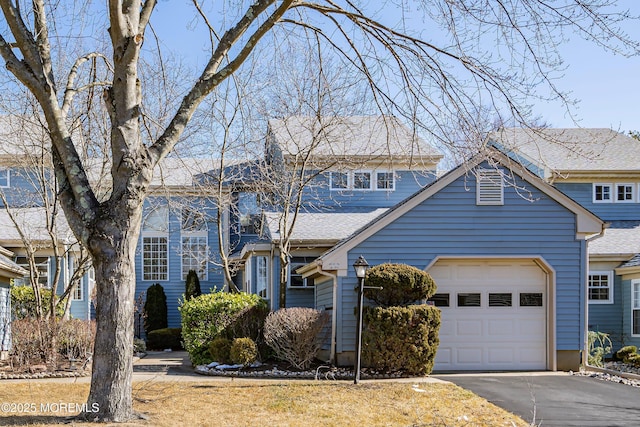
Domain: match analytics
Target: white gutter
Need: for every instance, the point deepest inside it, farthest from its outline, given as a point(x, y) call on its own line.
point(585, 343)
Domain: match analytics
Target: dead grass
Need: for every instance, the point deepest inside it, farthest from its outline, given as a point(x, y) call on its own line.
point(263, 403)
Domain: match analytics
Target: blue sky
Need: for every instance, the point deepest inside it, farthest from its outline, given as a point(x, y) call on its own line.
point(606, 85)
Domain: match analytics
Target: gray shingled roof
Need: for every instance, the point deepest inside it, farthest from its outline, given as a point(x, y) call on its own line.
point(633, 262)
point(32, 223)
point(350, 136)
point(622, 237)
point(7, 265)
point(324, 226)
point(577, 149)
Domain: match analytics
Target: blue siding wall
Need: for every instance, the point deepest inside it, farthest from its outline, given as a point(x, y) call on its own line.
point(406, 183)
point(23, 190)
point(607, 318)
point(174, 287)
point(5, 317)
point(583, 194)
point(451, 224)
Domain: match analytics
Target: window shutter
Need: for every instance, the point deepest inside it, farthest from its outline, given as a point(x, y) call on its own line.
point(489, 187)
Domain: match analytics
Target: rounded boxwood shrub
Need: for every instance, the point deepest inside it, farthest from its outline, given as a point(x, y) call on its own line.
point(220, 349)
point(244, 351)
point(401, 284)
point(209, 316)
point(401, 339)
point(626, 351)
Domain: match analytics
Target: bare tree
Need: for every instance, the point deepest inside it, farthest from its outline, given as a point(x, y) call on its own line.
point(407, 73)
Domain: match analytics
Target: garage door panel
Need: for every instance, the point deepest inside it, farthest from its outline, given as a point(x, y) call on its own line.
point(505, 334)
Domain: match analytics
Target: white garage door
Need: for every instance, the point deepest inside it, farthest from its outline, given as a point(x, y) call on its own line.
point(493, 315)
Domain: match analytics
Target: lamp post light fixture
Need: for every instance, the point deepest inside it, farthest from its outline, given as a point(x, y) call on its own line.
point(360, 266)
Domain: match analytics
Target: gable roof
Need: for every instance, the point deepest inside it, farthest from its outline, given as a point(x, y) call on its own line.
point(327, 227)
point(586, 222)
point(8, 268)
point(562, 151)
point(350, 136)
point(32, 223)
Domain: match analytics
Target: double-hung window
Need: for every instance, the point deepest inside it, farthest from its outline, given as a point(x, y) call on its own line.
point(155, 244)
point(600, 287)
point(194, 243)
point(362, 180)
point(339, 180)
point(41, 273)
point(635, 307)
point(4, 178)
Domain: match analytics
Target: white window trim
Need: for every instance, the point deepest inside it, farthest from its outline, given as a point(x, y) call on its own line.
point(155, 235)
point(204, 232)
point(611, 192)
point(610, 281)
point(634, 283)
point(633, 194)
point(333, 188)
point(8, 173)
point(393, 180)
point(305, 282)
point(267, 293)
point(205, 273)
point(489, 174)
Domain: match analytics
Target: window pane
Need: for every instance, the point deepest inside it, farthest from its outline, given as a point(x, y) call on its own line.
point(261, 276)
point(362, 180)
point(636, 322)
point(154, 258)
point(625, 193)
point(157, 219)
point(384, 180)
point(602, 192)
point(339, 180)
point(194, 256)
point(599, 287)
point(533, 299)
point(440, 300)
point(469, 300)
point(193, 220)
point(500, 300)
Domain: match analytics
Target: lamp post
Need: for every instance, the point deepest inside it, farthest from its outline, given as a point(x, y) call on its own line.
point(360, 266)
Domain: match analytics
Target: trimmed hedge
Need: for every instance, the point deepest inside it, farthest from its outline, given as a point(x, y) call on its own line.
point(161, 339)
point(219, 314)
point(401, 339)
point(401, 284)
point(23, 302)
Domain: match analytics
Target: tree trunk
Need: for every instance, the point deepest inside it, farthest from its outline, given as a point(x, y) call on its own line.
point(110, 397)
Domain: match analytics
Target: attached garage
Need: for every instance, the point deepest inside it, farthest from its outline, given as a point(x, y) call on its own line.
point(495, 314)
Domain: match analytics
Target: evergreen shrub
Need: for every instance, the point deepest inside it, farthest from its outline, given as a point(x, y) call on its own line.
point(220, 349)
point(400, 339)
point(155, 309)
point(401, 285)
point(209, 316)
point(192, 285)
point(244, 351)
point(162, 339)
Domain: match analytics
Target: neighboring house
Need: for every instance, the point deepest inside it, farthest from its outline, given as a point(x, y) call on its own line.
point(8, 271)
point(509, 271)
point(600, 169)
point(358, 167)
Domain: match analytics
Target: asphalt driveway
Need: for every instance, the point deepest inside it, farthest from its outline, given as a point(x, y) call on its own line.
point(556, 399)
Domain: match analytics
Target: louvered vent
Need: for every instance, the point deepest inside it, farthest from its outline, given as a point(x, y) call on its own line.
point(490, 188)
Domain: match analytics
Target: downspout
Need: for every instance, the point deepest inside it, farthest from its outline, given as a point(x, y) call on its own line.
point(334, 314)
point(585, 344)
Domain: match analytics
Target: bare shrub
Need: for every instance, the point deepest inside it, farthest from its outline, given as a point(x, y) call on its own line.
point(296, 334)
point(49, 341)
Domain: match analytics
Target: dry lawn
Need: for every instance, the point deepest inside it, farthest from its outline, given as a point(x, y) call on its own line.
point(266, 403)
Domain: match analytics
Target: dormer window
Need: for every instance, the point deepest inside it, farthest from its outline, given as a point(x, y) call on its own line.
point(625, 193)
point(362, 180)
point(339, 180)
point(4, 178)
point(489, 187)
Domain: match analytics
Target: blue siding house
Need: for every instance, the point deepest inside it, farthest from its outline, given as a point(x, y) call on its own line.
point(600, 169)
point(509, 269)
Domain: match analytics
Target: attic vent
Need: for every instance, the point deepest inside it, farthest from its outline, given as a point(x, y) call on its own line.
point(489, 187)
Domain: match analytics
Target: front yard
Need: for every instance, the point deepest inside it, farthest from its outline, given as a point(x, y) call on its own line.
point(260, 403)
